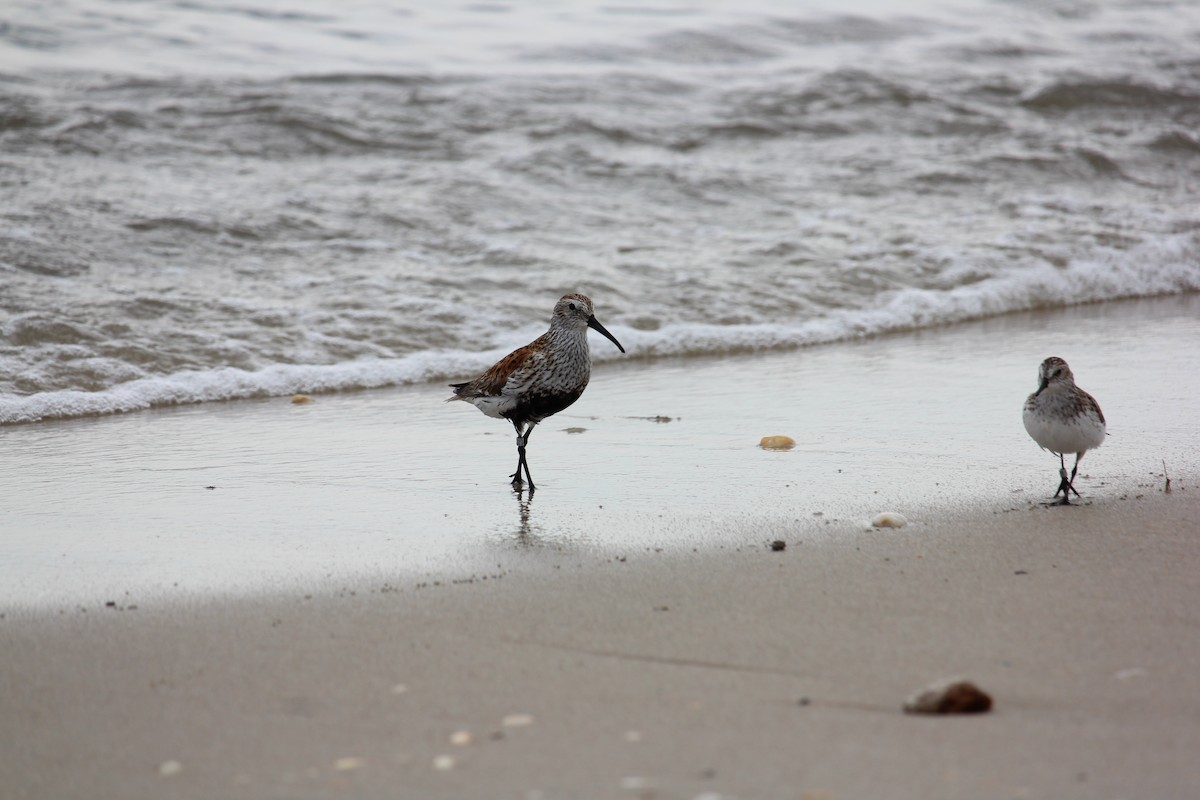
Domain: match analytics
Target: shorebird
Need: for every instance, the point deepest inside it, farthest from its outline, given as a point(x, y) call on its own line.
point(1063, 418)
point(541, 378)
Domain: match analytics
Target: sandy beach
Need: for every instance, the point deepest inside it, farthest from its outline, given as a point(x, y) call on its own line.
point(344, 599)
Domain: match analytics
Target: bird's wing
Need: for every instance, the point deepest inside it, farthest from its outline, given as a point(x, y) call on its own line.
point(1095, 406)
point(506, 376)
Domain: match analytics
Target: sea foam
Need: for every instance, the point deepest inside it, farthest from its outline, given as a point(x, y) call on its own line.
point(1172, 270)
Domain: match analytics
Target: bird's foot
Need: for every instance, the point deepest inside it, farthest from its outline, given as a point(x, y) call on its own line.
point(1065, 487)
point(518, 483)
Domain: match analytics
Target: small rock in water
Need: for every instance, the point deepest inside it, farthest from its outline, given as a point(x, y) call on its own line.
point(953, 696)
point(778, 544)
point(889, 519)
point(301, 399)
point(777, 443)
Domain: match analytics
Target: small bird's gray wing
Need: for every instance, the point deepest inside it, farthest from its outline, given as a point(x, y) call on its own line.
point(1091, 401)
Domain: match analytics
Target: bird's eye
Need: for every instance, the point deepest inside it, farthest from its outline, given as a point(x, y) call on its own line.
point(571, 306)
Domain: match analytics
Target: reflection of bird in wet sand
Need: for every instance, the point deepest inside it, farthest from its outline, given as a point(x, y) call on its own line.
point(1063, 418)
point(541, 378)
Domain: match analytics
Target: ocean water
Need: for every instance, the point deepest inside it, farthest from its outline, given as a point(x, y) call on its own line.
point(214, 199)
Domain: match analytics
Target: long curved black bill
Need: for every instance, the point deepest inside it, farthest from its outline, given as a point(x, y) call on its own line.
point(594, 324)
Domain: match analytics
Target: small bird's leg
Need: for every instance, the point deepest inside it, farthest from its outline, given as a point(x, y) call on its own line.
point(1071, 483)
point(1064, 486)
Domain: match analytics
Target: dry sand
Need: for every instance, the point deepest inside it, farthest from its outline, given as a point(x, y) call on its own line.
point(362, 609)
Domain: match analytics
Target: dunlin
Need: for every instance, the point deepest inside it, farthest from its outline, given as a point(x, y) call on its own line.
point(541, 378)
point(1063, 418)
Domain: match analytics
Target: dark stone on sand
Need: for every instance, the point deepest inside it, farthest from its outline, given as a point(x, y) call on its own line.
point(778, 544)
point(949, 697)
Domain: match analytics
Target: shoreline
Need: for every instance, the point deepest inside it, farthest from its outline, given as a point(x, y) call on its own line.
point(659, 455)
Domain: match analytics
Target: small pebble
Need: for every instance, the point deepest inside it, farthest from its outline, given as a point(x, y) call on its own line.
point(953, 696)
point(889, 519)
point(301, 399)
point(460, 738)
point(169, 768)
point(778, 544)
point(443, 763)
point(348, 763)
point(777, 443)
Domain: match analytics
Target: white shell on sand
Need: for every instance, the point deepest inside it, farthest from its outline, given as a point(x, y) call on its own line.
point(169, 768)
point(517, 720)
point(348, 763)
point(777, 443)
point(889, 519)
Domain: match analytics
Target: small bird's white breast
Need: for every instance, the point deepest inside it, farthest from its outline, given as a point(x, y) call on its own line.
point(1060, 427)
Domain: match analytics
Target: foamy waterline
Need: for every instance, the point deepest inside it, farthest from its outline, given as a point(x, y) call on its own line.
point(1040, 286)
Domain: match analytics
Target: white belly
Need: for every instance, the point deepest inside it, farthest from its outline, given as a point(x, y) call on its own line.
point(1059, 434)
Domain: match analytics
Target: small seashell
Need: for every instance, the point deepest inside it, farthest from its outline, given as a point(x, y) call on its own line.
point(348, 763)
point(517, 720)
point(169, 768)
point(301, 399)
point(952, 696)
point(777, 443)
point(443, 763)
point(1132, 672)
point(889, 519)
point(460, 738)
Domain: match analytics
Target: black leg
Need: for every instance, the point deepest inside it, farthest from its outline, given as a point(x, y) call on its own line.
point(522, 464)
point(516, 476)
point(525, 461)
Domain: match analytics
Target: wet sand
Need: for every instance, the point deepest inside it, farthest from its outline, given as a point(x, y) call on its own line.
point(360, 607)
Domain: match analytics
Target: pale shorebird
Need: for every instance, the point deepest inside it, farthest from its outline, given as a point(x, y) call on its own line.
point(1063, 418)
point(541, 378)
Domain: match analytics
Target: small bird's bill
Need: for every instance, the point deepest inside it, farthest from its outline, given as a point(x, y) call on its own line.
point(594, 324)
